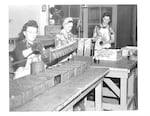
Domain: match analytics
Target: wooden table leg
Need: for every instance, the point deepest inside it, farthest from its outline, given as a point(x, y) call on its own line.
point(123, 89)
point(98, 97)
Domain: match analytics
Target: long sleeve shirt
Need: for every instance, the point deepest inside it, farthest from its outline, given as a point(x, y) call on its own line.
point(63, 38)
point(18, 55)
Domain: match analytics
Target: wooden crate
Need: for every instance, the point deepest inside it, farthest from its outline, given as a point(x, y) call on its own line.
point(70, 70)
point(24, 89)
point(83, 65)
point(77, 68)
point(64, 73)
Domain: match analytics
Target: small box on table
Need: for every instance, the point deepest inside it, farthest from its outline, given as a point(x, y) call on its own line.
point(108, 54)
point(129, 50)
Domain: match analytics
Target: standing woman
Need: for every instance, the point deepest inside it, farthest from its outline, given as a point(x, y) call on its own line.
point(103, 33)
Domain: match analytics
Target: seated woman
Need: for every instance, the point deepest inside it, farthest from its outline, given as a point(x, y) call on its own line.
point(65, 36)
point(103, 33)
point(27, 50)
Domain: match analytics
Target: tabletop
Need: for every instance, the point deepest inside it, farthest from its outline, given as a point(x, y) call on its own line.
point(59, 96)
point(122, 64)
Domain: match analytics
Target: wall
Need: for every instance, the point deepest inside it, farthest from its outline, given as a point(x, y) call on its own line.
point(125, 27)
point(19, 15)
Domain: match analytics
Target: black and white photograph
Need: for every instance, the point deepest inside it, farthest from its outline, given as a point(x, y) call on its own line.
point(73, 57)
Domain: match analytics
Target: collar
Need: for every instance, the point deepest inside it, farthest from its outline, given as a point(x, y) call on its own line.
point(27, 43)
point(104, 27)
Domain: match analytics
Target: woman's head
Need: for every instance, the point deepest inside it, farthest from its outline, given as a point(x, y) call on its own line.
point(30, 30)
point(68, 24)
point(106, 19)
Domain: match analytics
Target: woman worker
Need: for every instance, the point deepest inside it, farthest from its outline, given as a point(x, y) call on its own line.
point(27, 50)
point(65, 36)
point(103, 33)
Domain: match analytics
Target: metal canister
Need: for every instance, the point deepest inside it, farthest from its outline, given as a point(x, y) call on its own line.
point(37, 67)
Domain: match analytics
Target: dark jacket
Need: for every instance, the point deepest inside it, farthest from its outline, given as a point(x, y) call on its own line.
point(17, 54)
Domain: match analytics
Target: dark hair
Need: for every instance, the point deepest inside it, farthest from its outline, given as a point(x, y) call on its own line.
point(31, 23)
point(106, 14)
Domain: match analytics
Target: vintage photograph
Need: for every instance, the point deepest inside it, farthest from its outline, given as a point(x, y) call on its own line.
point(73, 57)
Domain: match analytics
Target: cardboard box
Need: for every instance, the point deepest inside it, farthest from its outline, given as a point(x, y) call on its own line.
point(129, 50)
point(109, 54)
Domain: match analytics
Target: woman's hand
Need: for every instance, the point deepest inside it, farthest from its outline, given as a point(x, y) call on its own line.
point(27, 52)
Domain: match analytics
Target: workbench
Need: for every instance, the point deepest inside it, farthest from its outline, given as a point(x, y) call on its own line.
point(123, 69)
point(64, 96)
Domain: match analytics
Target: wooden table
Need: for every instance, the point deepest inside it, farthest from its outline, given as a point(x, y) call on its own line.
point(125, 70)
point(64, 96)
